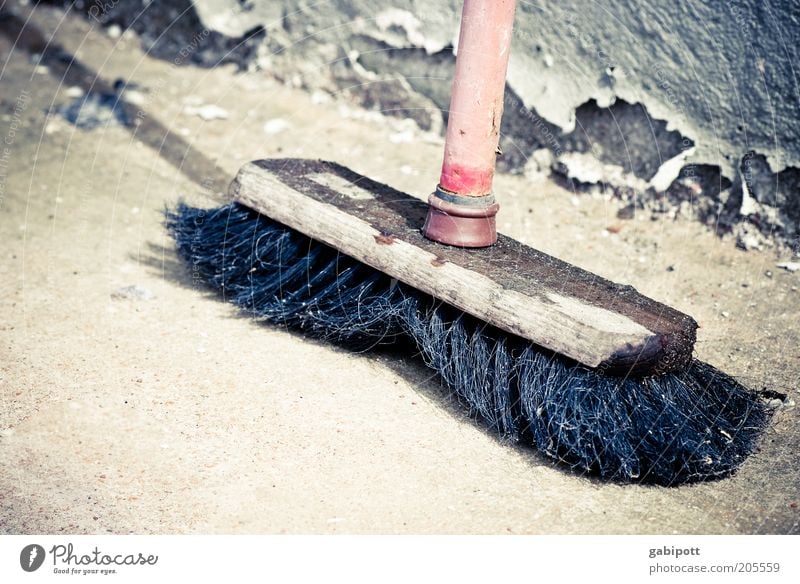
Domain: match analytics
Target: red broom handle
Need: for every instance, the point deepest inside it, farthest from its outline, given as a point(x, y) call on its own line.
point(462, 209)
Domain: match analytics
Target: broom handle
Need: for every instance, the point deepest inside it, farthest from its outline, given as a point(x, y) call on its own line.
point(462, 209)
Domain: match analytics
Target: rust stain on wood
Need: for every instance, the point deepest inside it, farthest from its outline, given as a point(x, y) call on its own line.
point(384, 239)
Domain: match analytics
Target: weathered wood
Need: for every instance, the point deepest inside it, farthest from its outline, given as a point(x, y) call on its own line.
point(509, 285)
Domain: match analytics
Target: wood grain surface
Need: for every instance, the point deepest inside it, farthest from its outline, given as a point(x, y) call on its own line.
point(513, 287)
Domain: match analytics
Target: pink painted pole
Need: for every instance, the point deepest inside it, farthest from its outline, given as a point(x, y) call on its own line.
point(462, 210)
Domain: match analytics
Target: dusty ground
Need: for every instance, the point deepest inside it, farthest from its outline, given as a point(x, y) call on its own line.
point(175, 415)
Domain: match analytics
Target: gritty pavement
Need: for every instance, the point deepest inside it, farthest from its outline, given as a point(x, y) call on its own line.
point(132, 400)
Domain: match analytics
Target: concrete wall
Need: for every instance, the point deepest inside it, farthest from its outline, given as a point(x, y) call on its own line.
point(666, 103)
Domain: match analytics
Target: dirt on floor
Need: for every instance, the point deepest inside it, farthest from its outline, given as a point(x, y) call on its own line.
point(134, 401)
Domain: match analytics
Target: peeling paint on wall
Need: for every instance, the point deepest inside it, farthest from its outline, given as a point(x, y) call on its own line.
point(693, 101)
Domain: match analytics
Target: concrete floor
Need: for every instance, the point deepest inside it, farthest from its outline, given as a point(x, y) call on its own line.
point(174, 414)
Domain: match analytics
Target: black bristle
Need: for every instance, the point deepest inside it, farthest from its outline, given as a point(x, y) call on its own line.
point(692, 425)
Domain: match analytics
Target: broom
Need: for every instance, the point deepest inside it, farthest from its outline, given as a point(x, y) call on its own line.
point(591, 373)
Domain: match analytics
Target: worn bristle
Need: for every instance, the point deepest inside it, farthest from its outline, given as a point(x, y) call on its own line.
point(675, 428)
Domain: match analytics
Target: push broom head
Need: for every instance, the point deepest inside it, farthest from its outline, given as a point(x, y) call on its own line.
point(590, 373)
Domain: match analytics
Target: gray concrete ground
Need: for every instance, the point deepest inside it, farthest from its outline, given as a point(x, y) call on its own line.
point(174, 414)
